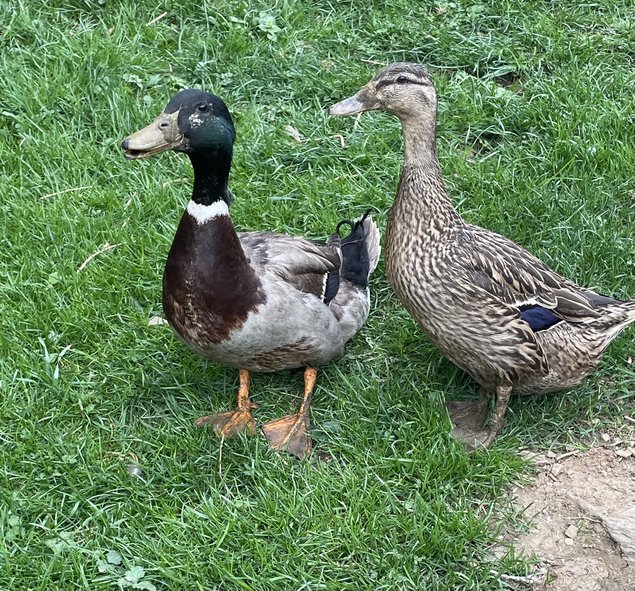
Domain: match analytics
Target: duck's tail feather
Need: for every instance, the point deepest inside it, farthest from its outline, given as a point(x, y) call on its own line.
point(360, 250)
point(617, 318)
point(619, 313)
point(630, 311)
point(360, 253)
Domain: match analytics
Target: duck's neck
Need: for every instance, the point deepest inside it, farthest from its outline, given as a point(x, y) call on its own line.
point(208, 209)
point(419, 134)
point(422, 194)
point(207, 263)
point(211, 173)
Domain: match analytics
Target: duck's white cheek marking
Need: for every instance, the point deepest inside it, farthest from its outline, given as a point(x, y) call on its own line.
point(204, 213)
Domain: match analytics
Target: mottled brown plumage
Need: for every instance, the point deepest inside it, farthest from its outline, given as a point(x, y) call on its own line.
point(256, 301)
point(495, 310)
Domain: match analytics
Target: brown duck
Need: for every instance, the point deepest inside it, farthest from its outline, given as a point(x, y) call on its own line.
point(492, 308)
point(256, 301)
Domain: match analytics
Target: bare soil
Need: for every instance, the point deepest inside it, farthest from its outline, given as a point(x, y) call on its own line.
point(578, 519)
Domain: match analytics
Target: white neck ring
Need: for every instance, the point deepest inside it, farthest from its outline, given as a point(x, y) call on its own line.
point(204, 213)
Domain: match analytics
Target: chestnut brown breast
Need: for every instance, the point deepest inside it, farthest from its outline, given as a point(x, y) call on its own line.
point(209, 287)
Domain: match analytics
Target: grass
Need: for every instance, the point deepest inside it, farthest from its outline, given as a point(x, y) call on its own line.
point(104, 481)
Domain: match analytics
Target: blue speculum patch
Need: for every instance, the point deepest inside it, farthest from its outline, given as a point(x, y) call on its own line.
point(539, 318)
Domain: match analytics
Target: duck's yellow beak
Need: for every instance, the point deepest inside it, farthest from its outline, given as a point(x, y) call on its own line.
point(161, 135)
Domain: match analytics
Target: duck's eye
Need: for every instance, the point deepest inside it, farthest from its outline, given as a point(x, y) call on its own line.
point(402, 80)
point(203, 107)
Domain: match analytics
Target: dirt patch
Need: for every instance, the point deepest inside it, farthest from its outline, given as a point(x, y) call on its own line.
point(579, 520)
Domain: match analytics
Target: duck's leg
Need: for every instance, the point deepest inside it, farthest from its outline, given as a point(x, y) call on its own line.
point(227, 424)
point(469, 418)
point(497, 420)
point(291, 433)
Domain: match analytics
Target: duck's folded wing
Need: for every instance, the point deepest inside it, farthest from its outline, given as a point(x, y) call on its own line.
point(303, 263)
point(512, 274)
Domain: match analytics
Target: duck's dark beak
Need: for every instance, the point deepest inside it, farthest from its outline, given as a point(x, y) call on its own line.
point(364, 100)
point(161, 135)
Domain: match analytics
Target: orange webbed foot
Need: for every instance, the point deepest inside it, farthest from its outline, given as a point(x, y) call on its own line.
point(290, 434)
point(230, 423)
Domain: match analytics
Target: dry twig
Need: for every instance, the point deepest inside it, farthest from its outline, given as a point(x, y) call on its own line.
point(156, 19)
point(49, 195)
point(105, 248)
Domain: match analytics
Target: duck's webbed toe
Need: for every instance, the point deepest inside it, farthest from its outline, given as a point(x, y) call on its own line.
point(230, 423)
point(291, 433)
